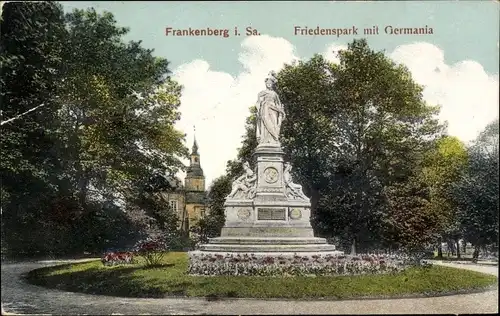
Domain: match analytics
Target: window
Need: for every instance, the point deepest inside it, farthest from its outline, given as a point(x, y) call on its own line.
point(202, 213)
point(173, 205)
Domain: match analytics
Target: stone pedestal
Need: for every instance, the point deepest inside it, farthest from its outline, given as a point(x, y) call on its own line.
point(273, 219)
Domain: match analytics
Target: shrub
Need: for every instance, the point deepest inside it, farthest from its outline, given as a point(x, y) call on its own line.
point(153, 250)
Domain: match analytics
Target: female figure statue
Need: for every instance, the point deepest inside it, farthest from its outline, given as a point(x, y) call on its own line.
point(293, 190)
point(244, 183)
point(270, 113)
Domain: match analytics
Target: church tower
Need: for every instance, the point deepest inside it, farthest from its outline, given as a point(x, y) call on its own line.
point(195, 180)
point(195, 188)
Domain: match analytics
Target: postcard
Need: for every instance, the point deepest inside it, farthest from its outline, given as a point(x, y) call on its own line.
point(277, 157)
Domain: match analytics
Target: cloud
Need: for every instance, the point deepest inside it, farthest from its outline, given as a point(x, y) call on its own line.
point(331, 52)
point(467, 94)
point(218, 103)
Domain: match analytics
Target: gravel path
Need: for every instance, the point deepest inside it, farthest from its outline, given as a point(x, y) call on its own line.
point(20, 297)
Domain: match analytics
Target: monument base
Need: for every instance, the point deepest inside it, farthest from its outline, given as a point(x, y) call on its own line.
point(280, 245)
point(267, 222)
point(267, 230)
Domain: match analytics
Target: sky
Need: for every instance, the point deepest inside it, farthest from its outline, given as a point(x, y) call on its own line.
point(457, 64)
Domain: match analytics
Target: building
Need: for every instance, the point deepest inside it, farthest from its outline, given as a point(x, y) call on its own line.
point(194, 188)
point(188, 200)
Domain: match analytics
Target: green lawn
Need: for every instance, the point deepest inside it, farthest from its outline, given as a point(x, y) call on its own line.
point(171, 280)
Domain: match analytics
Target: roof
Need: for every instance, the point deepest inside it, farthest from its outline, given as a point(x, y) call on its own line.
point(194, 171)
point(194, 150)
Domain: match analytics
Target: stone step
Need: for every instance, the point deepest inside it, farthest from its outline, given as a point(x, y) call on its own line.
point(269, 253)
point(267, 240)
point(267, 232)
point(267, 248)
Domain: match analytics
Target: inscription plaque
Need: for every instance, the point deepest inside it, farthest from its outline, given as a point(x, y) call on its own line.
point(270, 214)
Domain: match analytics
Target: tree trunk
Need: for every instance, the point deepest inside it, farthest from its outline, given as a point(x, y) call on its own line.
point(83, 185)
point(475, 255)
point(440, 248)
point(82, 191)
point(451, 247)
point(314, 201)
point(353, 247)
point(464, 247)
point(458, 249)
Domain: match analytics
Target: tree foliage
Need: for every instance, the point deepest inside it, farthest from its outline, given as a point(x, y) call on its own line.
point(117, 136)
point(410, 223)
point(32, 45)
point(106, 125)
point(352, 130)
point(476, 191)
point(442, 167)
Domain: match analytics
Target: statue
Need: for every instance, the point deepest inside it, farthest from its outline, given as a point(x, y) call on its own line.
point(245, 183)
point(270, 113)
point(293, 190)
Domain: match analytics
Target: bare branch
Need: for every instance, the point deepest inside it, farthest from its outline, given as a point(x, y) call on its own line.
point(22, 114)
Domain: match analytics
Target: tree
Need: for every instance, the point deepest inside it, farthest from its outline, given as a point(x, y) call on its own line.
point(411, 223)
point(118, 114)
point(151, 210)
point(442, 167)
point(353, 129)
point(32, 45)
point(120, 108)
point(476, 192)
point(107, 123)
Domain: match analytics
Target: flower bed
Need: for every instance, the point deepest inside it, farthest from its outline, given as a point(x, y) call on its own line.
point(115, 258)
point(152, 251)
point(293, 265)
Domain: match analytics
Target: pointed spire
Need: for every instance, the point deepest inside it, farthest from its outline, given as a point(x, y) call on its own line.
point(195, 144)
